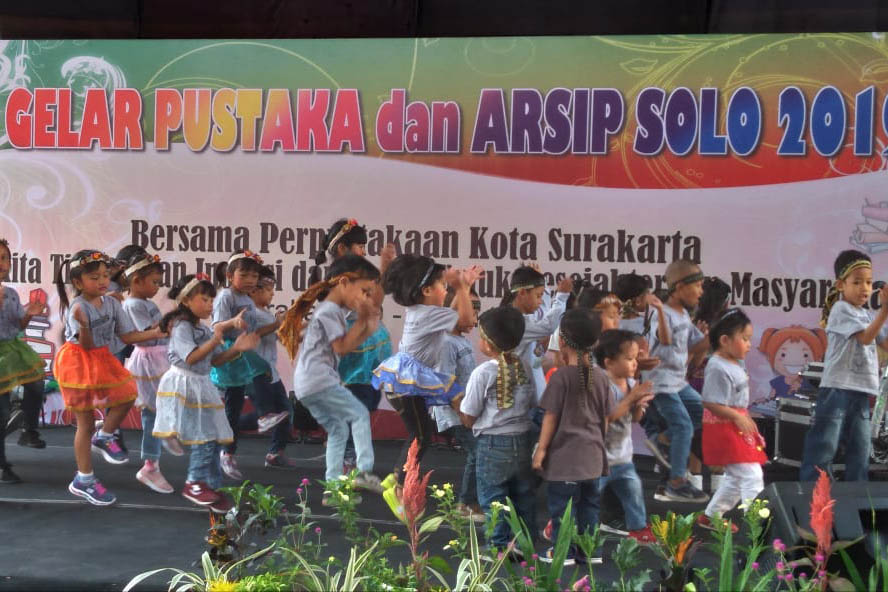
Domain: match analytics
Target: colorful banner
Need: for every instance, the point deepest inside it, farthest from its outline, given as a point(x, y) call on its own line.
point(759, 156)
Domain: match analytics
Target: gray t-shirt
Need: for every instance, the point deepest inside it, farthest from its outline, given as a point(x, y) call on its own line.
point(144, 314)
point(316, 366)
point(577, 451)
point(268, 345)
point(847, 364)
point(457, 359)
point(228, 304)
point(104, 322)
point(480, 402)
point(11, 314)
point(671, 375)
point(636, 324)
point(536, 328)
point(186, 337)
point(618, 439)
point(425, 329)
point(726, 383)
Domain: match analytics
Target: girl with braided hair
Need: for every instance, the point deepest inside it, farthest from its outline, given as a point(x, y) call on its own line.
point(350, 282)
point(498, 397)
point(571, 454)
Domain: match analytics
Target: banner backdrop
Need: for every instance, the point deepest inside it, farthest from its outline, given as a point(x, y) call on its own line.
point(759, 156)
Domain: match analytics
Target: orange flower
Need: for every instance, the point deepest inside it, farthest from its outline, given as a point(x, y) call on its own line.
point(415, 487)
point(822, 513)
point(682, 550)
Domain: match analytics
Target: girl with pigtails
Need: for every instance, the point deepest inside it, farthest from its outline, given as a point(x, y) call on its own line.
point(571, 454)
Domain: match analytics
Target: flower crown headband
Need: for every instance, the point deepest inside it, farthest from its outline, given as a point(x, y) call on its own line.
point(191, 285)
point(94, 257)
point(248, 254)
point(345, 229)
point(141, 264)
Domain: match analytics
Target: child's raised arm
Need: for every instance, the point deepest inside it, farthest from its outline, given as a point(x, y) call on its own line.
point(364, 327)
point(664, 335)
point(462, 280)
point(869, 334)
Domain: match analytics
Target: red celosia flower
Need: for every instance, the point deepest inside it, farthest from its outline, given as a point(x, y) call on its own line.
point(822, 513)
point(415, 487)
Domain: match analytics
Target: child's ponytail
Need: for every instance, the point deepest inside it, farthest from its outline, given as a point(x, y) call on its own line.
point(64, 303)
point(502, 328)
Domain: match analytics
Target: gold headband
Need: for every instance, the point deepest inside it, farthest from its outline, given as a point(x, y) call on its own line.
point(859, 264)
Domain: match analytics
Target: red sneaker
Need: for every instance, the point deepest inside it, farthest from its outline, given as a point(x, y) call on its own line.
point(223, 505)
point(199, 493)
point(644, 536)
point(548, 531)
point(705, 522)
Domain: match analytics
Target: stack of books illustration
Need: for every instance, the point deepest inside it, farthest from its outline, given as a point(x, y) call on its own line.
point(35, 333)
point(872, 235)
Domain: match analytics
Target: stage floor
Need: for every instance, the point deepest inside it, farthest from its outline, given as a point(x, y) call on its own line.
point(52, 540)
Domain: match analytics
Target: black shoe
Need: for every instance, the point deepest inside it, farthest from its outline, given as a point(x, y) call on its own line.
point(8, 477)
point(15, 421)
point(31, 439)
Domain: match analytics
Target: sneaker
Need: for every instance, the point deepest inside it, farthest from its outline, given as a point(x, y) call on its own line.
point(644, 536)
point(266, 422)
point(595, 559)
point(31, 439)
point(696, 480)
point(685, 493)
point(548, 531)
point(613, 529)
point(109, 449)
point(705, 522)
point(548, 557)
point(659, 450)
point(8, 476)
point(222, 506)
point(173, 446)
point(199, 493)
point(94, 492)
point(229, 466)
point(660, 493)
point(279, 461)
point(154, 479)
point(15, 421)
point(369, 482)
point(470, 513)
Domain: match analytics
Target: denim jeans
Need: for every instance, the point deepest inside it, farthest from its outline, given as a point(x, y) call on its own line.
point(683, 414)
point(204, 464)
point(277, 401)
point(503, 470)
point(468, 489)
point(337, 410)
point(839, 414)
point(150, 444)
point(369, 396)
point(586, 496)
point(626, 484)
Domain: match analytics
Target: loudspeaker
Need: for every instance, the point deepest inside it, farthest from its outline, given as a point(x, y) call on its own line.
point(861, 510)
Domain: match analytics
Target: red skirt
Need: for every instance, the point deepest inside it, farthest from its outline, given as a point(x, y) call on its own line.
point(724, 444)
point(92, 378)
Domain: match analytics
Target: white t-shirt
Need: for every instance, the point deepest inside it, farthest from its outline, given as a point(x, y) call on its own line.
point(726, 383)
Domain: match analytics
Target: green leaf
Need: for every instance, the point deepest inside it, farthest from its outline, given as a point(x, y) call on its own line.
point(839, 584)
point(431, 525)
point(844, 544)
point(726, 564)
point(852, 570)
point(806, 534)
point(440, 564)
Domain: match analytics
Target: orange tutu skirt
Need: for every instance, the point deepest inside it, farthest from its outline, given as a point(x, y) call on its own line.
point(724, 444)
point(91, 379)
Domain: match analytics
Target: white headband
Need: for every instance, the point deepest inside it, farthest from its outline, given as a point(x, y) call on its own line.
point(148, 260)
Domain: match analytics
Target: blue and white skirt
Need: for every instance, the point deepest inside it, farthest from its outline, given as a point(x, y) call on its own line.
point(403, 375)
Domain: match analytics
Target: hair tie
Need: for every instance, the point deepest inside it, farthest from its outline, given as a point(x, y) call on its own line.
point(142, 263)
point(343, 230)
point(832, 296)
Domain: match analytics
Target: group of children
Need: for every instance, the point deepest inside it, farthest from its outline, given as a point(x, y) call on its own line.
point(620, 359)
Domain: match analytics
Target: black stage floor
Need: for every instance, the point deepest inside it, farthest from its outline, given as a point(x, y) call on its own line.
point(53, 541)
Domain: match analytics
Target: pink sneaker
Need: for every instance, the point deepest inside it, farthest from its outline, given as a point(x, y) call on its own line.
point(151, 476)
point(229, 466)
point(173, 446)
point(266, 422)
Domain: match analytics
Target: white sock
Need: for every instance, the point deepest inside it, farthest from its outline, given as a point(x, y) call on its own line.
point(696, 481)
point(105, 435)
point(86, 477)
point(715, 481)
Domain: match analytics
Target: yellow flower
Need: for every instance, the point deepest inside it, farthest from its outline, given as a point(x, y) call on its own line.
point(344, 497)
point(440, 493)
point(764, 513)
point(343, 477)
point(496, 505)
point(661, 529)
point(331, 559)
point(221, 586)
point(448, 486)
point(394, 537)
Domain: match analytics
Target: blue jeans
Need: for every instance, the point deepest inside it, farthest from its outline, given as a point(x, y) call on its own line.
point(586, 496)
point(150, 444)
point(337, 410)
point(503, 470)
point(839, 414)
point(468, 489)
point(204, 464)
point(683, 414)
point(627, 486)
point(369, 396)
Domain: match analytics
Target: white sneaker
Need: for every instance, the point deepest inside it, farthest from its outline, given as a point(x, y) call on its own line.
point(266, 422)
point(368, 481)
point(229, 466)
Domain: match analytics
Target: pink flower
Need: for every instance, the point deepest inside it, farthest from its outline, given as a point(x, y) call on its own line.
point(819, 558)
point(531, 568)
point(499, 555)
point(523, 564)
point(298, 491)
point(318, 530)
point(755, 565)
point(534, 556)
point(305, 481)
point(780, 566)
point(779, 546)
point(581, 584)
point(821, 573)
point(788, 577)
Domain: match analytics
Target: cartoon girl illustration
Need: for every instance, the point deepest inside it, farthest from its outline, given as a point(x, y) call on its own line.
point(788, 350)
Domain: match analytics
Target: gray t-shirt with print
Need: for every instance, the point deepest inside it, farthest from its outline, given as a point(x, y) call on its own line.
point(848, 364)
point(316, 365)
point(105, 322)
